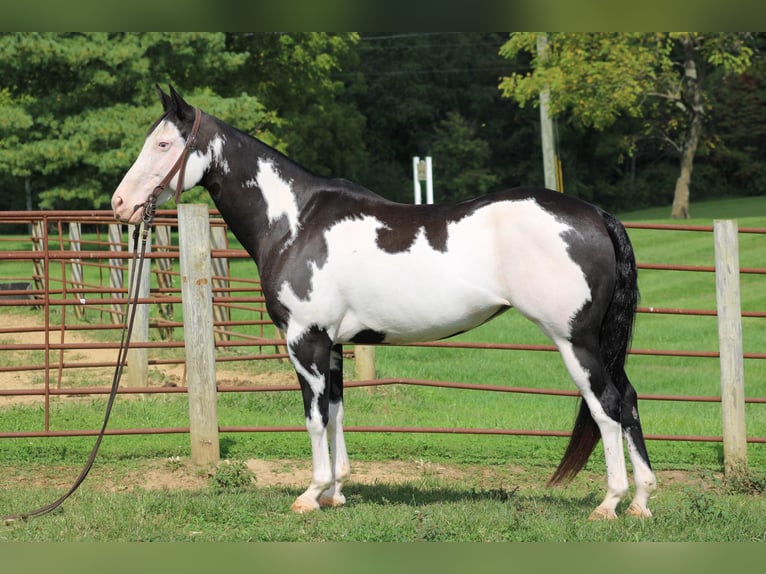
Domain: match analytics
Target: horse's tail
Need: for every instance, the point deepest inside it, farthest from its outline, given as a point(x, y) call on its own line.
point(615, 336)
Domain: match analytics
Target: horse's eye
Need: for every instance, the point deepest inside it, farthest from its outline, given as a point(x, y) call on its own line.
point(163, 145)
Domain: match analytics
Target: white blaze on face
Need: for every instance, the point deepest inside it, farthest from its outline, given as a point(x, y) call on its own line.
point(277, 193)
point(160, 151)
point(159, 154)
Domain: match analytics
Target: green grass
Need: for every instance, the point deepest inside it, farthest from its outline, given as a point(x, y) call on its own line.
point(740, 208)
point(433, 510)
point(423, 509)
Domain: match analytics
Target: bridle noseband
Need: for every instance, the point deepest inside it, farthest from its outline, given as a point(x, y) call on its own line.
point(179, 167)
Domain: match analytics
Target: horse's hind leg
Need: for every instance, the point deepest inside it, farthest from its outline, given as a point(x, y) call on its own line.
point(340, 466)
point(309, 352)
point(644, 478)
point(587, 370)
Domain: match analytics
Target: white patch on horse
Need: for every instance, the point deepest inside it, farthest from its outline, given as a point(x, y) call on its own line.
point(546, 285)
point(277, 193)
point(508, 253)
point(215, 147)
point(199, 162)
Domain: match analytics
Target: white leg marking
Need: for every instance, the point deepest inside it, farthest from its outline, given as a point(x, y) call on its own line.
point(611, 436)
point(341, 469)
point(646, 483)
point(321, 476)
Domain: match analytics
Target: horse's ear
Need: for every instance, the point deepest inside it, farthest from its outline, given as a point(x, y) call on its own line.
point(183, 110)
point(164, 98)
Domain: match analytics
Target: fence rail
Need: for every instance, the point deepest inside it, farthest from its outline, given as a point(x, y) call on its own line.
point(54, 286)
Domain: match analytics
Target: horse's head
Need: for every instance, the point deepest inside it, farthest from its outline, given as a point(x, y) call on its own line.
point(161, 163)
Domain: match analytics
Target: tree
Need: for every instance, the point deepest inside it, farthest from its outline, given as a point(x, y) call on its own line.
point(295, 75)
point(407, 84)
point(460, 160)
point(738, 152)
point(596, 77)
point(74, 107)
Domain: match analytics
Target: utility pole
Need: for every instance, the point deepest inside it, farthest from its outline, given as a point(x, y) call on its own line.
point(546, 124)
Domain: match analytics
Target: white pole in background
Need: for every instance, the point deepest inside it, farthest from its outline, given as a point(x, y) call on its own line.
point(422, 170)
point(429, 181)
point(416, 179)
point(546, 124)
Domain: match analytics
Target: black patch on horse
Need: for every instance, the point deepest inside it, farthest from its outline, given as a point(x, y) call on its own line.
point(368, 337)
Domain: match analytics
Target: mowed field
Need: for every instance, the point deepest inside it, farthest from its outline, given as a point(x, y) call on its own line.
point(423, 486)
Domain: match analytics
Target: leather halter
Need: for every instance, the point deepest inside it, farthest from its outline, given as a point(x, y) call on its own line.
point(180, 165)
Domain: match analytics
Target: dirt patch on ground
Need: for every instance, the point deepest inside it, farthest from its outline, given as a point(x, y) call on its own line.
point(181, 474)
point(28, 330)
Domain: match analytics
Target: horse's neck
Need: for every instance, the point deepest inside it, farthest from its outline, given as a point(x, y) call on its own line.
point(260, 194)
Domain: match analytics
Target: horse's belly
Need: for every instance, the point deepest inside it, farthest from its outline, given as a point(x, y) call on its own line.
point(409, 314)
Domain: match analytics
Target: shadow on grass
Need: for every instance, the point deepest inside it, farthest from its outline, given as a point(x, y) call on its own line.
point(417, 494)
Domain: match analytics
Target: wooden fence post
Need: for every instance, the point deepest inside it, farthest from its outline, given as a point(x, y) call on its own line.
point(164, 276)
point(138, 357)
point(730, 347)
point(197, 305)
point(220, 272)
point(76, 267)
point(364, 355)
point(115, 268)
point(39, 244)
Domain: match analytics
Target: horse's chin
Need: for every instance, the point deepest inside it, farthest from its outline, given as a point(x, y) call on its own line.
point(132, 218)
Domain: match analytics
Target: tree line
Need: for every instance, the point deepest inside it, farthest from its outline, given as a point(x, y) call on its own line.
point(640, 119)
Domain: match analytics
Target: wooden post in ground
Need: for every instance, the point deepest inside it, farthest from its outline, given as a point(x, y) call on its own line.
point(76, 268)
point(164, 276)
point(197, 305)
point(221, 312)
point(364, 355)
point(138, 357)
point(730, 346)
point(115, 269)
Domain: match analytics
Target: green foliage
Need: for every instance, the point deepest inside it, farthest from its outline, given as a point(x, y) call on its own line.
point(595, 76)
point(231, 475)
point(660, 86)
point(411, 88)
point(462, 160)
point(295, 75)
point(74, 107)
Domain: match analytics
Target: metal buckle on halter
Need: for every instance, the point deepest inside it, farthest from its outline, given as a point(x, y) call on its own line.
point(150, 209)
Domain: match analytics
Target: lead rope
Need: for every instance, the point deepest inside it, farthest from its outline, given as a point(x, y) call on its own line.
point(127, 329)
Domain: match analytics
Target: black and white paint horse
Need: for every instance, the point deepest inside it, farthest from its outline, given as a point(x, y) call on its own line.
point(340, 264)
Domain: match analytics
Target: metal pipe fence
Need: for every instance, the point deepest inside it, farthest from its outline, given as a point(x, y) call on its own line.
point(42, 277)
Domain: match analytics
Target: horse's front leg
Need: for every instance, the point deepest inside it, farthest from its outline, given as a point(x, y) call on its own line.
point(309, 352)
point(340, 466)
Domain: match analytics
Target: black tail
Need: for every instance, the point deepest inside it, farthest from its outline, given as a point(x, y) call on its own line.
point(615, 337)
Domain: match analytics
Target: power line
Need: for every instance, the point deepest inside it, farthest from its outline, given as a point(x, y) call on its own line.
point(407, 35)
point(499, 69)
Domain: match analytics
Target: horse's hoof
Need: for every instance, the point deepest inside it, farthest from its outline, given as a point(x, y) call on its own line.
point(636, 510)
point(301, 506)
point(332, 501)
point(603, 514)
